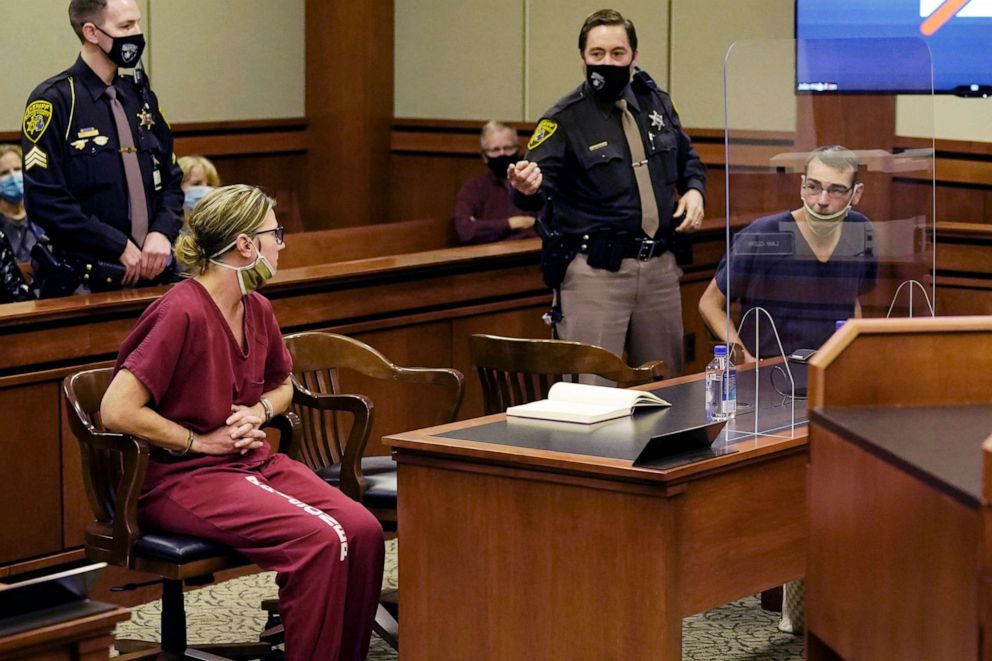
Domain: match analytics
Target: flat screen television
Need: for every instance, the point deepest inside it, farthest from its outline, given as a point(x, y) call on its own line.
point(877, 46)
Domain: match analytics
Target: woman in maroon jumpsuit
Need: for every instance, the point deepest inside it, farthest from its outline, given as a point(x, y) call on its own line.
point(203, 369)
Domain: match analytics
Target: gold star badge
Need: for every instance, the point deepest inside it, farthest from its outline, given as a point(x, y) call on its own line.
point(145, 118)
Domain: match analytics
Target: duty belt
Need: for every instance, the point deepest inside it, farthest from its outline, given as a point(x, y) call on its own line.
point(640, 248)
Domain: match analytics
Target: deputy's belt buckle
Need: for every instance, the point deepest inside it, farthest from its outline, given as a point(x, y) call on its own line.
point(646, 251)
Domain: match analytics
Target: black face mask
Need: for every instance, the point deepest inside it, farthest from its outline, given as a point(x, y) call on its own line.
point(498, 164)
point(125, 51)
point(608, 81)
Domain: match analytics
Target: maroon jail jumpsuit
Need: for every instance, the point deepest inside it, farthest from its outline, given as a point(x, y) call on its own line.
point(327, 549)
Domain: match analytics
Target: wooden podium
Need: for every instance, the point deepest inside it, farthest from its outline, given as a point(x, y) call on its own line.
point(899, 489)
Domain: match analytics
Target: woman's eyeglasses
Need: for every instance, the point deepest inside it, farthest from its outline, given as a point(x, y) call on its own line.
point(279, 233)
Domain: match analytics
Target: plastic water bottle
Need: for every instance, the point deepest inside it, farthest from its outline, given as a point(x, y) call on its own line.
point(721, 386)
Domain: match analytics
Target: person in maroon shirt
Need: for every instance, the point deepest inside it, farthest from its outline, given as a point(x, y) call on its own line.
point(203, 369)
point(484, 211)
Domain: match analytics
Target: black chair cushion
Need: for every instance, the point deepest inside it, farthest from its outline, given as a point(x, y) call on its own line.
point(380, 491)
point(380, 481)
point(178, 549)
point(370, 466)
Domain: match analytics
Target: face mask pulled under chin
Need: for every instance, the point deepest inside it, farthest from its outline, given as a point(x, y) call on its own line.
point(608, 81)
point(251, 276)
point(824, 223)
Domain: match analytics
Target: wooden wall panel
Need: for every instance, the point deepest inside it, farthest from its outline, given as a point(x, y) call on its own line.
point(349, 108)
point(425, 186)
point(30, 473)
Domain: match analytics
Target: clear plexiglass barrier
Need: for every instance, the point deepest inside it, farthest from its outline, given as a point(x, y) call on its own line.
point(830, 214)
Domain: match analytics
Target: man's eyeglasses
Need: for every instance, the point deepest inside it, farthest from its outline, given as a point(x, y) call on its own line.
point(278, 234)
point(509, 150)
point(814, 188)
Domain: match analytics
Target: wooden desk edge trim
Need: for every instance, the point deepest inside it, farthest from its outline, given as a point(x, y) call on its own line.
point(859, 441)
point(63, 632)
point(426, 442)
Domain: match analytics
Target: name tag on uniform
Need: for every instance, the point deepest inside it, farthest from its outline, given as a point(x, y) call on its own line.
point(765, 243)
point(597, 146)
point(157, 178)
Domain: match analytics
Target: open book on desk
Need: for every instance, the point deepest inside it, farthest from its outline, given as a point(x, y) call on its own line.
point(577, 402)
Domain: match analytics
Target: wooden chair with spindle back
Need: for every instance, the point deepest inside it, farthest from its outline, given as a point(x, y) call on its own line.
point(518, 371)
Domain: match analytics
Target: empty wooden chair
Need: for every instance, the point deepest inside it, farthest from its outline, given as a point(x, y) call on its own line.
point(336, 425)
point(517, 371)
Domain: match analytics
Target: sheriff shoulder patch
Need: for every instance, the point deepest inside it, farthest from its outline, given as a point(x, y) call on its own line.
point(545, 129)
point(37, 117)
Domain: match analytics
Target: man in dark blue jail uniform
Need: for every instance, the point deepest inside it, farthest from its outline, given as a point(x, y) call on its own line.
point(805, 267)
point(99, 172)
point(608, 158)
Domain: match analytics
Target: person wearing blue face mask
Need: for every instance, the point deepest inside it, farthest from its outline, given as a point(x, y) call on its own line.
point(199, 178)
point(21, 233)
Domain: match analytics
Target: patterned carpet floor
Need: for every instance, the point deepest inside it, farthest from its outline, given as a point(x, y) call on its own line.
point(738, 631)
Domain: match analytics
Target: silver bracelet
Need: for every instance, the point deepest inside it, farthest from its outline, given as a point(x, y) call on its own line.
point(267, 405)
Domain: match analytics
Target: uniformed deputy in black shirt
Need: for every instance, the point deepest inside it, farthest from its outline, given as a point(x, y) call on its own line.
point(614, 199)
point(75, 179)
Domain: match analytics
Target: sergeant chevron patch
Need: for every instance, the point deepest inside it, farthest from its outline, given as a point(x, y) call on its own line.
point(35, 157)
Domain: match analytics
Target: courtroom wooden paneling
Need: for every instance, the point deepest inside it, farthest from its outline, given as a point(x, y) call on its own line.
point(554, 534)
point(30, 473)
point(875, 527)
point(424, 186)
point(325, 246)
point(899, 353)
point(349, 108)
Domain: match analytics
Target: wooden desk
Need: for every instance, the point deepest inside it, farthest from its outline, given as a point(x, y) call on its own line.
point(86, 638)
point(896, 532)
point(898, 504)
point(534, 553)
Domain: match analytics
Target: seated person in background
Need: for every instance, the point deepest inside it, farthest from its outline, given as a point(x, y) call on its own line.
point(203, 369)
point(20, 232)
point(806, 267)
point(199, 178)
point(483, 209)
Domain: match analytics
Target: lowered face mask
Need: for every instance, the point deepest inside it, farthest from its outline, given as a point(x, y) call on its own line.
point(608, 81)
point(251, 276)
point(12, 187)
point(822, 224)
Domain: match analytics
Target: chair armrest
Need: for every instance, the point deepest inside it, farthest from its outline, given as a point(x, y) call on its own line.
point(290, 431)
point(116, 504)
point(316, 457)
point(451, 380)
point(656, 368)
